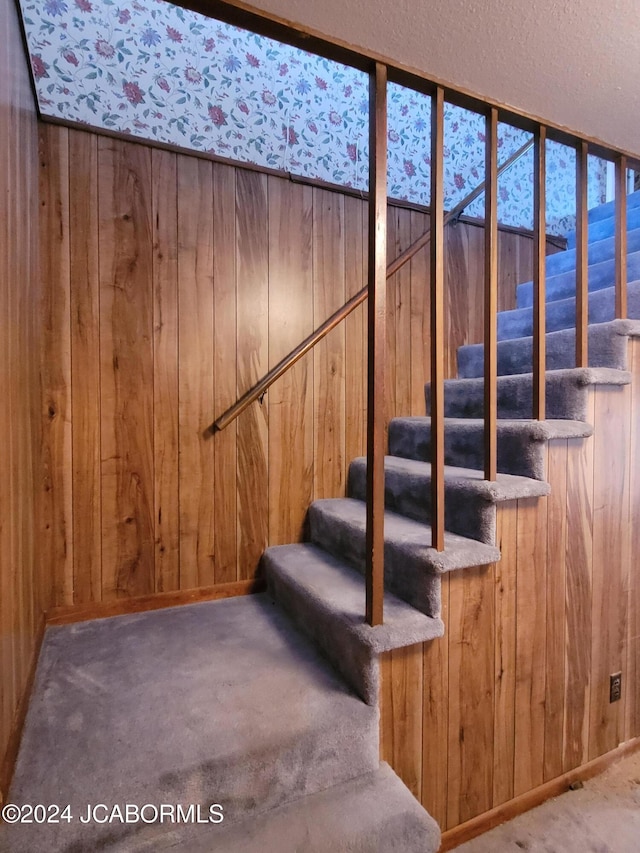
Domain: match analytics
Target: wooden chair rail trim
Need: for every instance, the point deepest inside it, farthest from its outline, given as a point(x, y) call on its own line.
point(259, 389)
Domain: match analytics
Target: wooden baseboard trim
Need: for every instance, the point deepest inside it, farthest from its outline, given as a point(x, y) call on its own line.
point(157, 601)
point(484, 822)
point(11, 753)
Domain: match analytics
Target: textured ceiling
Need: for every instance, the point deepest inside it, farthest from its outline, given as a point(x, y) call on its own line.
point(575, 63)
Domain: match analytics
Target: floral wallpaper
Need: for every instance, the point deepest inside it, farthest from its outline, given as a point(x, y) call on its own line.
point(160, 72)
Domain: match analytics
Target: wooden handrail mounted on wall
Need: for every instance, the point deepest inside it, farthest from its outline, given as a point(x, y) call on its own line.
point(258, 390)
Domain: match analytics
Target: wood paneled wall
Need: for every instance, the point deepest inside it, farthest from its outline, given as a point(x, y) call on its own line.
point(517, 692)
point(174, 283)
point(23, 590)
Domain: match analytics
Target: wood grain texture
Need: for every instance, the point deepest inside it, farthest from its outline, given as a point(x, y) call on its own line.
point(610, 565)
point(26, 507)
point(632, 711)
point(328, 356)
point(84, 280)
point(195, 371)
point(126, 356)
point(471, 674)
point(166, 511)
point(225, 368)
point(530, 644)
point(252, 335)
point(355, 329)
point(556, 560)
point(290, 400)
point(505, 574)
point(420, 317)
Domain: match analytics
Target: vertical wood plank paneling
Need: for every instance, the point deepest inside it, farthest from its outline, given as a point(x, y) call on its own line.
point(435, 722)
point(556, 620)
point(392, 331)
point(58, 502)
point(402, 316)
point(610, 564)
point(290, 321)
point(165, 370)
point(420, 366)
point(579, 578)
point(195, 307)
point(84, 275)
point(225, 368)
point(126, 355)
point(471, 676)
point(328, 358)
point(632, 677)
point(530, 644)
point(252, 335)
point(505, 574)
point(24, 591)
point(403, 692)
point(355, 329)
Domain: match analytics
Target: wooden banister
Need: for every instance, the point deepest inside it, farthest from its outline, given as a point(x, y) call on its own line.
point(259, 389)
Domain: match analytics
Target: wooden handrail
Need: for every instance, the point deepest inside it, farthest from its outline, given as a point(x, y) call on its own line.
point(259, 389)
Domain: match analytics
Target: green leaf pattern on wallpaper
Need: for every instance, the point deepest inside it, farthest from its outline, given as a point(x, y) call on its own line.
point(162, 73)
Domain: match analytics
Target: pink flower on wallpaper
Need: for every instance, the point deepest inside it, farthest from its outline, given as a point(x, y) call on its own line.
point(283, 70)
point(253, 61)
point(104, 49)
point(40, 68)
point(335, 118)
point(347, 91)
point(352, 152)
point(393, 135)
point(217, 116)
point(133, 93)
point(459, 181)
point(84, 5)
point(192, 75)
point(71, 58)
point(321, 84)
point(268, 98)
point(163, 84)
point(409, 168)
point(174, 35)
point(124, 16)
point(481, 136)
point(290, 135)
point(313, 127)
point(209, 45)
point(243, 108)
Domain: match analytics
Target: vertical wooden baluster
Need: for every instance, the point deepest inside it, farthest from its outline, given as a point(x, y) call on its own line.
point(539, 273)
point(582, 257)
point(377, 288)
point(491, 297)
point(621, 238)
point(437, 319)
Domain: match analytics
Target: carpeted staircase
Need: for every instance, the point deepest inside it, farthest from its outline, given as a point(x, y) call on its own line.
point(267, 704)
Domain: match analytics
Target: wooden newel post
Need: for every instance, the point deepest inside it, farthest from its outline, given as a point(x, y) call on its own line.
point(377, 334)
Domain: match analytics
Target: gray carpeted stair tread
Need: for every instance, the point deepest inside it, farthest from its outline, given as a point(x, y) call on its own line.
point(469, 498)
point(607, 348)
point(602, 228)
point(373, 813)
point(561, 313)
point(182, 705)
point(566, 393)
point(599, 250)
point(521, 443)
point(563, 285)
point(326, 599)
point(338, 526)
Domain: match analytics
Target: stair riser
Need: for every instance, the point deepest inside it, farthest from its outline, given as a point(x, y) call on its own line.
point(561, 314)
point(602, 250)
point(514, 402)
point(466, 514)
point(404, 568)
point(517, 452)
point(564, 286)
point(605, 228)
point(606, 349)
